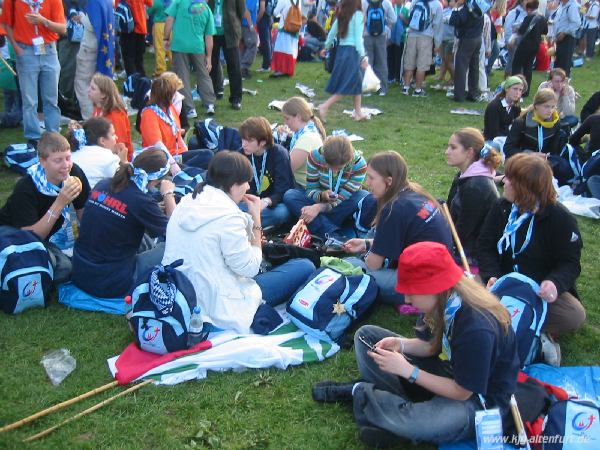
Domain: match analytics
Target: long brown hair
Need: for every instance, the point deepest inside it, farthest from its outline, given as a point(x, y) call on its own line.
point(112, 99)
point(531, 179)
point(391, 164)
point(297, 106)
point(471, 138)
point(476, 296)
point(226, 169)
point(164, 88)
point(151, 160)
point(345, 13)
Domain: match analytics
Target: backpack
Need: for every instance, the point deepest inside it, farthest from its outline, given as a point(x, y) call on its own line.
point(420, 16)
point(293, 20)
point(375, 18)
point(162, 309)
point(20, 157)
point(576, 422)
point(480, 7)
point(329, 302)
point(566, 167)
point(25, 271)
point(187, 180)
point(592, 166)
point(519, 295)
point(124, 18)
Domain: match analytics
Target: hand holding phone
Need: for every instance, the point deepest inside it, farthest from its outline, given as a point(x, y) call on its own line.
point(367, 343)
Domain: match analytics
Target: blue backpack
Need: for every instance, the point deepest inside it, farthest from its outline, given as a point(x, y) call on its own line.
point(519, 295)
point(124, 18)
point(375, 18)
point(420, 16)
point(162, 309)
point(592, 166)
point(329, 302)
point(20, 157)
point(575, 422)
point(25, 272)
point(187, 180)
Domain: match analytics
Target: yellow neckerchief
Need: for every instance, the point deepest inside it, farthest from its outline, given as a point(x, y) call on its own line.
point(548, 124)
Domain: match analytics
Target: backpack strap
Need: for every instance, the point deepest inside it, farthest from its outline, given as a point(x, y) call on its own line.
point(350, 301)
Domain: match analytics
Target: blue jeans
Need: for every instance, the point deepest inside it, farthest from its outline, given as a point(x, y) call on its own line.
point(385, 279)
point(275, 216)
point(279, 284)
point(326, 222)
point(383, 400)
point(264, 35)
point(42, 71)
point(145, 261)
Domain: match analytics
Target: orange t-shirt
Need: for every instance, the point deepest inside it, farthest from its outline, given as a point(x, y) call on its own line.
point(23, 31)
point(154, 129)
point(120, 121)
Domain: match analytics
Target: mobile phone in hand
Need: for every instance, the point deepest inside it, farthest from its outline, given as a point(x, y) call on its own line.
point(367, 343)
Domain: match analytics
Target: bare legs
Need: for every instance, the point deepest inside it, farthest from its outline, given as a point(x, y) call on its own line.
point(324, 107)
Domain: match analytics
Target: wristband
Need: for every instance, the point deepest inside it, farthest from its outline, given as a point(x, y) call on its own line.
point(169, 193)
point(51, 215)
point(367, 245)
point(257, 228)
point(414, 374)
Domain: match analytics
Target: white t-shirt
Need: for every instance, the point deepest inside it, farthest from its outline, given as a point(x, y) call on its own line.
point(96, 162)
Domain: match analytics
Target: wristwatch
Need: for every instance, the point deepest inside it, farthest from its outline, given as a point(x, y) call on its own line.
point(414, 374)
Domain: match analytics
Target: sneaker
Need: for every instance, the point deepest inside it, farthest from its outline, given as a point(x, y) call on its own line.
point(366, 94)
point(405, 90)
point(419, 93)
point(219, 95)
point(192, 114)
point(550, 350)
point(262, 70)
point(374, 437)
point(332, 392)
point(450, 93)
point(236, 105)
point(210, 109)
point(382, 93)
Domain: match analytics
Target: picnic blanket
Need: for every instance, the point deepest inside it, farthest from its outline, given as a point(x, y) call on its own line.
point(224, 350)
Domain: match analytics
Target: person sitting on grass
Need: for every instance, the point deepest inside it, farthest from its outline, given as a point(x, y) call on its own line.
point(470, 363)
point(95, 149)
point(529, 232)
point(308, 134)
point(406, 214)
point(221, 250)
point(558, 81)
point(104, 94)
point(271, 171)
point(106, 259)
point(473, 190)
point(334, 175)
point(501, 112)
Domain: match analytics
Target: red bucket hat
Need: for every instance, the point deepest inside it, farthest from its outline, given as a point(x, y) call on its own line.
point(426, 268)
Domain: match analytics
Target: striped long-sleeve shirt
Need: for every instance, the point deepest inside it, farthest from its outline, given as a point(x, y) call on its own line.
point(318, 179)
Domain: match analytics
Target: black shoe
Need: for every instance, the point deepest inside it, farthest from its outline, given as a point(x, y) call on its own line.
point(246, 74)
point(374, 437)
point(332, 392)
point(236, 105)
point(219, 95)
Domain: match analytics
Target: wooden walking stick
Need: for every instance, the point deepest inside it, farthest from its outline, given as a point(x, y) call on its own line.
point(57, 407)
point(8, 66)
point(87, 411)
point(459, 246)
point(521, 434)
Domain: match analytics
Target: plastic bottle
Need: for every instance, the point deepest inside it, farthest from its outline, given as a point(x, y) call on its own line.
point(195, 331)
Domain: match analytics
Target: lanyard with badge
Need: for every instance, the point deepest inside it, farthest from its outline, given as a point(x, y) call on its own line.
point(337, 183)
point(218, 16)
point(38, 41)
point(259, 178)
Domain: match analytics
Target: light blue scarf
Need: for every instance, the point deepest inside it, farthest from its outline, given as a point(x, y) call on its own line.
point(38, 175)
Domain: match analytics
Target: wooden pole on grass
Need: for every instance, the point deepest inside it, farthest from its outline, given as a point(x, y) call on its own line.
point(521, 434)
point(459, 246)
point(87, 411)
point(57, 407)
point(8, 66)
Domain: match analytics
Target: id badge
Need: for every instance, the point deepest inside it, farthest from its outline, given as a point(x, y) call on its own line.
point(488, 428)
point(38, 46)
point(218, 20)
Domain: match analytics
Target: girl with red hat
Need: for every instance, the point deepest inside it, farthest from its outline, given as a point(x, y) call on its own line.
point(429, 391)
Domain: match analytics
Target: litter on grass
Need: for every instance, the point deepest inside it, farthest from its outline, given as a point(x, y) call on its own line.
point(305, 90)
point(467, 112)
point(58, 364)
point(352, 137)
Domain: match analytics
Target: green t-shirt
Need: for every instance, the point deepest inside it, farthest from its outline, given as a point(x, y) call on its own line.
point(193, 21)
point(157, 11)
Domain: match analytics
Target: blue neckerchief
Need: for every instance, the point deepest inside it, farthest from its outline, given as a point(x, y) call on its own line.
point(258, 178)
point(140, 177)
point(510, 231)
point(38, 175)
point(337, 183)
point(540, 138)
point(165, 117)
point(453, 304)
point(310, 126)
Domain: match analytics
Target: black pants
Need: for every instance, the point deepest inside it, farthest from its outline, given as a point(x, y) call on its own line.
point(133, 46)
point(466, 58)
point(564, 54)
point(394, 59)
point(232, 59)
point(523, 64)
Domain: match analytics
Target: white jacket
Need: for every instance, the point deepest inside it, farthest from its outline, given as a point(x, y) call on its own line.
point(212, 236)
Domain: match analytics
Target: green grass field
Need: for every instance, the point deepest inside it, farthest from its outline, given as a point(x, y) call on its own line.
point(257, 408)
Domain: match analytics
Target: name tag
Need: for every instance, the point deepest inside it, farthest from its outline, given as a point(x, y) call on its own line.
point(38, 46)
point(488, 428)
point(218, 20)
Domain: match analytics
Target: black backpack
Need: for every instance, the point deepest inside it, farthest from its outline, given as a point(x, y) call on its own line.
point(375, 18)
point(124, 18)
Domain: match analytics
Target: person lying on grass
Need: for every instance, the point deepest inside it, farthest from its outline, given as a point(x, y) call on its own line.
point(429, 391)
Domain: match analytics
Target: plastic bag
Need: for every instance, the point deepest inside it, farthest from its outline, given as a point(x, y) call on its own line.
point(370, 81)
point(58, 364)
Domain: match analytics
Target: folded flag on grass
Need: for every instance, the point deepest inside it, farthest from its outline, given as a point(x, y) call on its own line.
point(225, 350)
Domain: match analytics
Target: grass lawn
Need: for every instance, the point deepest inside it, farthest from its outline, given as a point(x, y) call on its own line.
point(257, 408)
